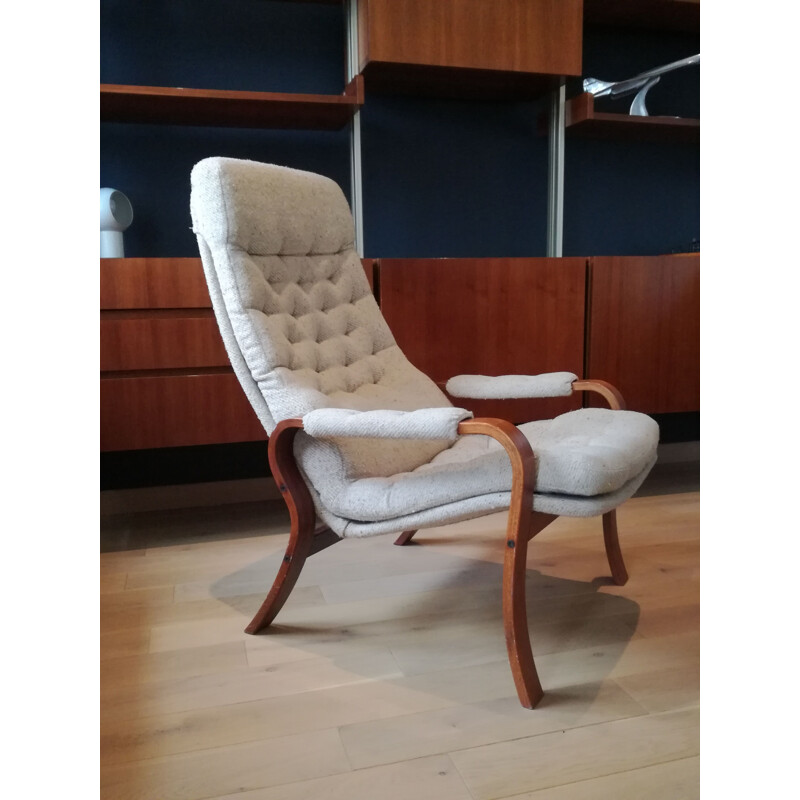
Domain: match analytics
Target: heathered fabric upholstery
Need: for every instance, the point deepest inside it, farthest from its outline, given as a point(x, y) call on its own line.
point(426, 423)
point(504, 387)
point(305, 335)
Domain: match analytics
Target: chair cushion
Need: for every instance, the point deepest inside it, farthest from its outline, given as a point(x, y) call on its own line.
point(584, 453)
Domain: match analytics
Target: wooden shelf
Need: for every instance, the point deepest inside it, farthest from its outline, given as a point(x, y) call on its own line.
point(680, 16)
point(583, 120)
point(231, 109)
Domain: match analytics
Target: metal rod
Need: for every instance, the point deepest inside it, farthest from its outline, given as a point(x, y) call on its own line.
point(356, 196)
point(555, 173)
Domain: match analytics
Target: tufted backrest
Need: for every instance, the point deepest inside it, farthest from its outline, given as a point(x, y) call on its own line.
point(295, 310)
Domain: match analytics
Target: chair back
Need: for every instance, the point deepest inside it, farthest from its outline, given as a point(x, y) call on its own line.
point(295, 310)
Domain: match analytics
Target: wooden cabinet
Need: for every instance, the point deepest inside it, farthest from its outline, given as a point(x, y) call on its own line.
point(633, 321)
point(489, 316)
point(469, 47)
point(165, 378)
point(644, 329)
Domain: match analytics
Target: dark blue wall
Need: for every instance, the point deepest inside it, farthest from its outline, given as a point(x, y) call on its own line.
point(635, 198)
point(441, 177)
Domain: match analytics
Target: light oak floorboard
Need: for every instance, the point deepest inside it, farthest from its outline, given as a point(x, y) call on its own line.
point(459, 727)
point(244, 685)
point(386, 676)
point(674, 780)
point(227, 770)
point(426, 779)
point(551, 759)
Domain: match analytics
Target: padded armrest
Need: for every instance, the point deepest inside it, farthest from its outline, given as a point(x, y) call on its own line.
point(425, 423)
point(505, 387)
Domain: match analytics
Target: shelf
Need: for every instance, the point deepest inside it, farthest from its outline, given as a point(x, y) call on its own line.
point(680, 16)
point(231, 109)
point(583, 120)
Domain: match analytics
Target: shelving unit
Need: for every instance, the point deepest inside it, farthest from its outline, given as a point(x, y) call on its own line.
point(165, 378)
point(232, 109)
point(583, 120)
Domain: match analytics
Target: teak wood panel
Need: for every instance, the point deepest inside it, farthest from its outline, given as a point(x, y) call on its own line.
point(149, 283)
point(644, 331)
point(169, 340)
point(127, 283)
point(175, 411)
point(166, 380)
point(480, 37)
point(489, 316)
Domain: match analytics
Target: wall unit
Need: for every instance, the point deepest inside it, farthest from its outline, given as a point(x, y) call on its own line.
point(165, 380)
point(634, 321)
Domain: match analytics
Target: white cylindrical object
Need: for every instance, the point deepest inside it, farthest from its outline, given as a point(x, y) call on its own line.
point(116, 215)
point(111, 245)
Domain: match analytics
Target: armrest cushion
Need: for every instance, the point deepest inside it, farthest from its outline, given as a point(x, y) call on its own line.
point(425, 423)
point(504, 387)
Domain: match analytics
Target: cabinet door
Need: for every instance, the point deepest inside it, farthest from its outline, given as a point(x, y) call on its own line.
point(414, 43)
point(644, 329)
point(489, 316)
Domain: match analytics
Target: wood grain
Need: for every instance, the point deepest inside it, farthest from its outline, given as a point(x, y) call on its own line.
point(534, 36)
point(644, 330)
point(127, 283)
point(224, 108)
point(175, 411)
point(489, 316)
point(166, 380)
point(163, 341)
point(186, 717)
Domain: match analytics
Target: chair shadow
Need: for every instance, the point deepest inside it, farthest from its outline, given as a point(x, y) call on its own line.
point(440, 621)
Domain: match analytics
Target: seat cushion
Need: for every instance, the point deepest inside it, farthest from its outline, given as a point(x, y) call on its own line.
point(584, 453)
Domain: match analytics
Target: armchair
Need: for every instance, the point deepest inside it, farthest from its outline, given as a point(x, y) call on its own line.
point(362, 443)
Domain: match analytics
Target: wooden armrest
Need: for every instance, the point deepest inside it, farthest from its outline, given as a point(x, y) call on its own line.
point(611, 394)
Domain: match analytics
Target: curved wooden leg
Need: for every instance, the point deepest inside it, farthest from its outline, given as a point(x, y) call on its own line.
point(523, 525)
point(303, 516)
point(404, 538)
point(618, 572)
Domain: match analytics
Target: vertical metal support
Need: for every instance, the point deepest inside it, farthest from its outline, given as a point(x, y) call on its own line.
point(356, 202)
point(555, 172)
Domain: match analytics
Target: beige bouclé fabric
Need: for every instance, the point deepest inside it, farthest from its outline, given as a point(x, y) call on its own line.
point(504, 387)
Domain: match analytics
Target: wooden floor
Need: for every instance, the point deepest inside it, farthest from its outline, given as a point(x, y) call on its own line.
point(385, 676)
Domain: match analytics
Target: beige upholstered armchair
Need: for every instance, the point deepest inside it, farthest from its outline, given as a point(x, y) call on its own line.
point(360, 441)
